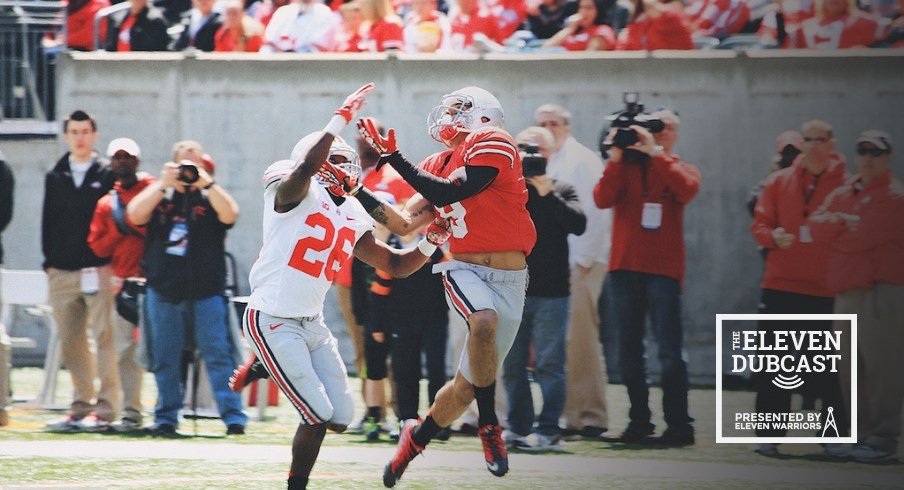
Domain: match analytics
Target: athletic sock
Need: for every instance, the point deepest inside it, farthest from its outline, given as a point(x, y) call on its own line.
point(375, 413)
point(486, 405)
point(296, 483)
point(426, 431)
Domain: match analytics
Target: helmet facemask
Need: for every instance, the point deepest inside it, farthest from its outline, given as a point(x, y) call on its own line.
point(464, 111)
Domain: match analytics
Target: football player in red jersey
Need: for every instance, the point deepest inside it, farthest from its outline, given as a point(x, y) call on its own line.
point(477, 185)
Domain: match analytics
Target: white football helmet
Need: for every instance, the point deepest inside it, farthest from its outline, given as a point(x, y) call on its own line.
point(464, 111)
point(351, 164)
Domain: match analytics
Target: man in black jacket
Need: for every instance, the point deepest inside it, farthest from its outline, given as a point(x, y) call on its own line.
point(6, 214)
point(141, 28)
point(81, 291)
point(556, 212)
point(201, 25)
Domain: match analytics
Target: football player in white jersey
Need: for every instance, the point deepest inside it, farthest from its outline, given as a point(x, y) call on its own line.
point(311, 226)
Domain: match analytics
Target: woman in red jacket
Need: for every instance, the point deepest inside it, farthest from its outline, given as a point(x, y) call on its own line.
point(656, 25)
point(585, 30)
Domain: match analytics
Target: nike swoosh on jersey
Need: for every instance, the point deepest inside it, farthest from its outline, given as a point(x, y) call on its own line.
point(274, 327)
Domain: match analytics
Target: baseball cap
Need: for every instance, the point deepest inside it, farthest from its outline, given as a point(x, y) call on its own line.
point(881, 139)
point(789, 137)
point(127, 145)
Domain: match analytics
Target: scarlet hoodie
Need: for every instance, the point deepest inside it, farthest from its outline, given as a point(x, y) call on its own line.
point(789, 198)
point(107, 241)
point(873, 252)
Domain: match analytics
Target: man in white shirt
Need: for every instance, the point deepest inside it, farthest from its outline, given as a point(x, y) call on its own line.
point(300, 27)
point(575, 164)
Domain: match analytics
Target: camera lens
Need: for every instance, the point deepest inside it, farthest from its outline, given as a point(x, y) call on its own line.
point(188, 174)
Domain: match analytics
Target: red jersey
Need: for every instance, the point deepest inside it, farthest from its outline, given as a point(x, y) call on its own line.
point(465, 26)
point(388, 180)
point(383, 35)
point(580, 40)
point(106, 240)
point(496, 218)
point(849, 31)
point(224, 41)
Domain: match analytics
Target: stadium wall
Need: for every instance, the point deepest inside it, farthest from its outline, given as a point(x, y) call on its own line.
point(249, 110)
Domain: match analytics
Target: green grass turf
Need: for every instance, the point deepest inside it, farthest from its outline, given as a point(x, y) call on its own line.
point(27, 425)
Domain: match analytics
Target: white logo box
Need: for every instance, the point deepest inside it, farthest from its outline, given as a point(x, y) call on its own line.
point(720, 439)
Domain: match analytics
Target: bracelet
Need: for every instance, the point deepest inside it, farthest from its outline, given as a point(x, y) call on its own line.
point(426, 247)
point(208, 186)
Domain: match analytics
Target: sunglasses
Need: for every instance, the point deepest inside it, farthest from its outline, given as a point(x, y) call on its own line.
point(873, 152)
point(815, 140)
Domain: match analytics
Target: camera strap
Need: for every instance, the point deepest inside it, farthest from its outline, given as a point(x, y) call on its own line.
point(118, 209)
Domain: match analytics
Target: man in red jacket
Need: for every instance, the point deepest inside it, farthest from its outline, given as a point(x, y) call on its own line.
point(795, 277)
point(112, 235)
point(648, 186)
point(863, 225)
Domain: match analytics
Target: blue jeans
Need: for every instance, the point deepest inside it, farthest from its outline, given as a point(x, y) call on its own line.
point(545, 322)
point(167, 321)
point(634, 295)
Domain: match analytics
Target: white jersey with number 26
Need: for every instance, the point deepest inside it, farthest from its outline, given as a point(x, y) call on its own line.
point(302, 251)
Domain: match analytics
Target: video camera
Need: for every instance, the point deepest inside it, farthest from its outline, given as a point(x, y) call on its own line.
point(632, 115)
point(533, 163)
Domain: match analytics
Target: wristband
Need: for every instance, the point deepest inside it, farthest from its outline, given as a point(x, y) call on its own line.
point(208, 186)
point(426, 247)
point(336, 125)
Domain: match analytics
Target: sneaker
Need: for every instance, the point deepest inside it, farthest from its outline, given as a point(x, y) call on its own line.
point(247, 373)
point(68, 425)
point(865, 453)
point(161, 430)
point(357, 427)
point(592, 432)
point(127, 424)
point(768, 450)
point(406, 451)
point(235, 430)
point(372, 429)
point(538, 442)
point(837, 451)
point(386, 427)
point(513, 440)
point(443, 435)
point(494, 449)
point(673, 438)
point(93, 423)
point(467, 429)
point(632, 435)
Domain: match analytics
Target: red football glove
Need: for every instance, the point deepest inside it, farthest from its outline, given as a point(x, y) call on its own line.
point(354, 102)
point(367, 128)
point(341, 182)
point(439, 232)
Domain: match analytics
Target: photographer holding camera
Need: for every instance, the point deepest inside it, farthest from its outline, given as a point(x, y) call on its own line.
point(648, 187)
point(187, 216)
point(556, 213)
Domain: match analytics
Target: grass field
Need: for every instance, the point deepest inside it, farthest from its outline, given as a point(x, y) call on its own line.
point(30, 457)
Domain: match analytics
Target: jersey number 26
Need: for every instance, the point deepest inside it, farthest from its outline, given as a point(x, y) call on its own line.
point(332, 241)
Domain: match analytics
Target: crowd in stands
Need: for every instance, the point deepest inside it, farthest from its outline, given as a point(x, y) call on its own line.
point(455, 26)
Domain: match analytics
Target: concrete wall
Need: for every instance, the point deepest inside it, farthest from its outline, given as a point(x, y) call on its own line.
point(249, 111)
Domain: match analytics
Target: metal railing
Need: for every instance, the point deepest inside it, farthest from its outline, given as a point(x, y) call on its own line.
point(32, 33)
